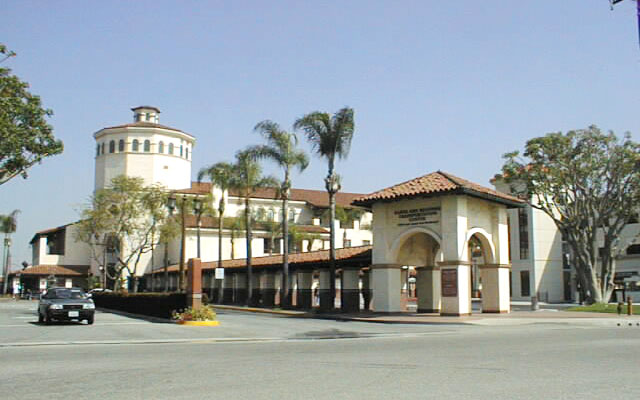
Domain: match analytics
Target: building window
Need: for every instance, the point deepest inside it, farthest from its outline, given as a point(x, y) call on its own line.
point(366, 242)
point(97, 150)
point(634, 249)
point(102, 148)
point(347, 243)
point(135, 145)
point(170, 148)
point(524, 284)
point(180, 150)
point(161, 147)
point(186, 154)
point(147, 146)
point(112, 146)
point(148, 116)
point(121, 145)
point(523, 227)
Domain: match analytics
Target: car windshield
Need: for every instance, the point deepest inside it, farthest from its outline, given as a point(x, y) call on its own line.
point(65, 294)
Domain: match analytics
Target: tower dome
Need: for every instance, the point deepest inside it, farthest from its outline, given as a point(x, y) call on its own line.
point(159, 154)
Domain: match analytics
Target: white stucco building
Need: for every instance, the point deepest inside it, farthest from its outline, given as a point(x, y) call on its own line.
point(163, 155)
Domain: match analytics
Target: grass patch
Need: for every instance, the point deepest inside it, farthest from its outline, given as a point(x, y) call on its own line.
point(604, 308)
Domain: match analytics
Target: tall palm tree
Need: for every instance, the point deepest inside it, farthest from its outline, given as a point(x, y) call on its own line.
point(282, 148)
point(8, 225)
point(247, 180)
point(222, 176)
point(330, 136)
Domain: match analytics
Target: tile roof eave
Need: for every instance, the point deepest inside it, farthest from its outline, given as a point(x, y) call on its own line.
point(458, 191)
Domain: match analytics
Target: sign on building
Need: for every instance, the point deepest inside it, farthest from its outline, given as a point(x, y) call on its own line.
point(219, 273)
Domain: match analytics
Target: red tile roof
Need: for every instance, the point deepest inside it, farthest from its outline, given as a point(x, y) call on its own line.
point(47, 231)
point(68, 270)
point(436, 183)
point(212, 222)
point(201, 188)
point(317, 198)
point(355, 254)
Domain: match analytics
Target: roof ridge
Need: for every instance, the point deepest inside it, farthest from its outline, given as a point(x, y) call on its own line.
point(452, 178)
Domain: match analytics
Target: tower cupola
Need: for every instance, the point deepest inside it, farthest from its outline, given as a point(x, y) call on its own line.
point(146, 114)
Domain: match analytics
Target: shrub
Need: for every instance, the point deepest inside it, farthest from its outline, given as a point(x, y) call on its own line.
point(160, 305)
point(203, 313)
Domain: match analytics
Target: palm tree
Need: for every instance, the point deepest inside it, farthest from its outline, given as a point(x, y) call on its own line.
point(221, 175)
point(8, 225)
point(282, 148)
point(330, 137)
point(247, 180)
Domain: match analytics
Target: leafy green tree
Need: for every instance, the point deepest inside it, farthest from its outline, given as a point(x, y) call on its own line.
point(247, 180)
point(588, 183)
point(331, 138)
point(125, 219)
point(282, 148)
point(25, 136)
point(8, 226)
point(222, 176)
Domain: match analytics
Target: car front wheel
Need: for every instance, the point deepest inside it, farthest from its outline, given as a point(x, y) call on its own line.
point(90, 320)
point(40, 318)
point(47, 319)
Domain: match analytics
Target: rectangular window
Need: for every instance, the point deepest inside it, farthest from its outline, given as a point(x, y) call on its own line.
point(523, 227)
point(366, 242)
point(525, 291)
point(347, 243)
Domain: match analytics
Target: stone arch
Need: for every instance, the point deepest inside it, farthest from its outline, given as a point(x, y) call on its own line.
point(401, 240)
point(487, 244)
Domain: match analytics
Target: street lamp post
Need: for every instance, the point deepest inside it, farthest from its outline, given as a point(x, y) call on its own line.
point(171, 206)
point(197, 207)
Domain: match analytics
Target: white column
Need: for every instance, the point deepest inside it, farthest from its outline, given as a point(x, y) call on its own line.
point(495, 288)
point(385, 282)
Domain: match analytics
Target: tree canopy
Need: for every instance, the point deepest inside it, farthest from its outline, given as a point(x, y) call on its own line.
point(126, 219)
point(25, 136)
point(588, 183)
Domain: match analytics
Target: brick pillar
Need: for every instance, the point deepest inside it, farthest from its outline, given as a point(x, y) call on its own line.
point(227, 288)
point(194, 283)
point(304, 295)
point(350, 292)
point(269, 289)
point(324, 290)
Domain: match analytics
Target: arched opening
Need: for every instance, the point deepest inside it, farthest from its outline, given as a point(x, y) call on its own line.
point(416, 252)
point(170, 148)
point(161, 147)
point(112, 146)
point(121, 145)
point(135, 146)
point(480, 250)
point(147, 146)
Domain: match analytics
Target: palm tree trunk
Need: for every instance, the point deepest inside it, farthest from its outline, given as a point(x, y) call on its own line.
point(247, 217)
point(166, 266)
point(220, 227)
point(286, 301)
point(332, 249)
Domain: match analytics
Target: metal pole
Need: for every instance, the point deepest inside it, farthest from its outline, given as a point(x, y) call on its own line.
point(182, 247)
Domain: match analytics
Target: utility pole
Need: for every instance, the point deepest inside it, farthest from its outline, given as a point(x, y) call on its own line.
point(182, 245)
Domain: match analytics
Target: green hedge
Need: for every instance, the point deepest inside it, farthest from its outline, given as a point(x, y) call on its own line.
point(153, 304)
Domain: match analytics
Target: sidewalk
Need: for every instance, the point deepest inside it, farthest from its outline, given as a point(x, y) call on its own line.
point(543, 316)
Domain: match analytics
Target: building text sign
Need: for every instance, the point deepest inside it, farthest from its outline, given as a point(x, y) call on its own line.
point(417, 216)
point(449, 279)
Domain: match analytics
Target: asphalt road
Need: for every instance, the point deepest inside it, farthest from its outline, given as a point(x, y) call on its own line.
point(265, 357)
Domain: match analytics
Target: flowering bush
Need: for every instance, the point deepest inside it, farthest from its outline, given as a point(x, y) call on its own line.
point(203, 313)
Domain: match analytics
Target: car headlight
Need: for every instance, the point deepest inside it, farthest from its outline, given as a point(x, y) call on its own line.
point(88, 306)
point(56, 306)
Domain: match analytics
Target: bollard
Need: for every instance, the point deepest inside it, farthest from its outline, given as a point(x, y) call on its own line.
point(534, 303)
point(619, 308)
point(629, 306)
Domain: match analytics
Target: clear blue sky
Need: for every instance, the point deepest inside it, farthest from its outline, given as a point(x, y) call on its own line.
point(448, 85)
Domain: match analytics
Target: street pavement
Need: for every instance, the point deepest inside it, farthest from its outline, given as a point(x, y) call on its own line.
point(256, 356)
